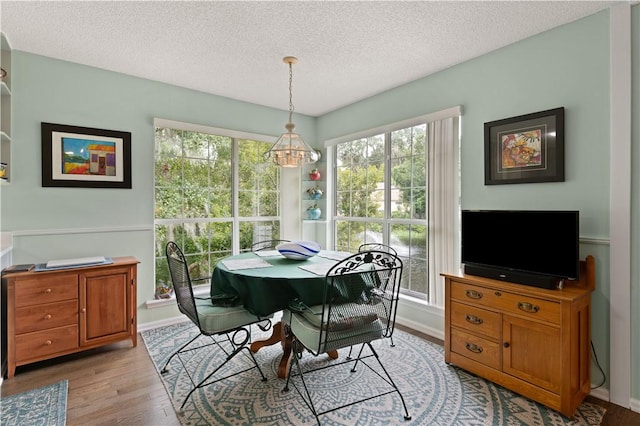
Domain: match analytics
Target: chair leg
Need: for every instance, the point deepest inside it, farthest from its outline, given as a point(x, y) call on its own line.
point(297, 350)
point(205, 382)
point(306, 396)
point(407, 416)
point(165, 369)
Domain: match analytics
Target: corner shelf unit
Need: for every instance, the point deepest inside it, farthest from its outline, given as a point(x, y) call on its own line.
point(314, 229)
point(5, 110)
point(308, 183)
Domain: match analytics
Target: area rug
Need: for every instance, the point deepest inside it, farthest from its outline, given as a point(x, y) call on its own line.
point(436, 393)
point(45, 406)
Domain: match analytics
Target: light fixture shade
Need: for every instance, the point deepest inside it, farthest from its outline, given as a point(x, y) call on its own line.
point(291, 151)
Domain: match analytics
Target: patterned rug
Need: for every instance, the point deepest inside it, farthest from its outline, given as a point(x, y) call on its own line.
point(436, 393)
point(45, 406)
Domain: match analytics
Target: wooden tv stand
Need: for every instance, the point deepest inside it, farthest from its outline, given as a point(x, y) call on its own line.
point(535, 342)
point(54, 313)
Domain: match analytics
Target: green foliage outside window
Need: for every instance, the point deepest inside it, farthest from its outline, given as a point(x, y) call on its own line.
point(361, 186)
point(195, 197)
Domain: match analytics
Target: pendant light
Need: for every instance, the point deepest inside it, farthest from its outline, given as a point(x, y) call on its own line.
point(290, 150)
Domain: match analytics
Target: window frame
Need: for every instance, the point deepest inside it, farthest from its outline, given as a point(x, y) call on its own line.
point(435, 293)
point(235, 220)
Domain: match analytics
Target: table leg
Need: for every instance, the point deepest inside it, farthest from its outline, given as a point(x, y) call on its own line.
point(285, 361)
point(287, 353)
point(279, 335)
point(275, 337)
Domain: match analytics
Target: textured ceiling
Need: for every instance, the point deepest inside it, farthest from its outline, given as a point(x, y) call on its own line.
point(347, 50)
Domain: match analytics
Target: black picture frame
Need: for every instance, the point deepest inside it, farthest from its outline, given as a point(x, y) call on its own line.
point(85, 157)
point(525, 149)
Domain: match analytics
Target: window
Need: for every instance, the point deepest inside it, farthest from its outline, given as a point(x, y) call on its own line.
point(391, 187)
point(214, 195)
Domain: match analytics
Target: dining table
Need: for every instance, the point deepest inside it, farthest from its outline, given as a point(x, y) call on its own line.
point(265, 282)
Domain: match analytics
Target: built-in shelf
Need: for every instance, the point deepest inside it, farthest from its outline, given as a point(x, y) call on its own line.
point(5, 110)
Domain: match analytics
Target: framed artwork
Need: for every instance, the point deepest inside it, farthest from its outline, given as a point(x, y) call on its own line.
point(525, 149)
point(84, 157)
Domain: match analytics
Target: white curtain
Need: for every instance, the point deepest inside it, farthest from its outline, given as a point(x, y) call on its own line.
point(444, 203)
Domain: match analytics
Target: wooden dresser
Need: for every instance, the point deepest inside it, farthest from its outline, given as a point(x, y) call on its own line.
point(534, 341)
point(54, 313)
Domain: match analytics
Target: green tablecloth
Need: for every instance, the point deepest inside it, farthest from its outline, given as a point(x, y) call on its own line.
point(264, 291)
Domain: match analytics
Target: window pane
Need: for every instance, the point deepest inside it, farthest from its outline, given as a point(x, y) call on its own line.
point(220, 203)
point(195, 145)
point(410, 241)
point(258, 181)
point(194, 180)
point(363, 193)
point(252, 232)
point(220, 242)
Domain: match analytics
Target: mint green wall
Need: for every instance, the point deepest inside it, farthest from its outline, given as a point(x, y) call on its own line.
point(567, 66)
point(635, 197)
point(58, 223)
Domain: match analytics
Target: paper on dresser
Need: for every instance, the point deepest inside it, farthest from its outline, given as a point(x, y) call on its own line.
point(77, 261)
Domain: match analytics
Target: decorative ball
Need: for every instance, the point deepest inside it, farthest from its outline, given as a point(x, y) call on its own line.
point(314, 174)
point(314, 213)
point(298, 250)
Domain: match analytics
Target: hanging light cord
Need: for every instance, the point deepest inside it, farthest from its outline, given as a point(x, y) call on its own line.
point(290, 91)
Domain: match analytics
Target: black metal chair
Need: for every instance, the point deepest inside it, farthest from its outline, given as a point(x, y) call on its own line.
point(267, 244)
point(381, 247)
point(359, 306)
point(377, 246)
point(228, 327)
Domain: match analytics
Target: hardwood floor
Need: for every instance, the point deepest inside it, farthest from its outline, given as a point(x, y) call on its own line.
point(115, 384)
point(118, 384)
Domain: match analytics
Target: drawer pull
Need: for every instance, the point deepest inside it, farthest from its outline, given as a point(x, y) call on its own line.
point(48, 290)
point(473, 294)
point(528, 307)
point(48, 342)
point(48, 316)
point(473, 319)
point(473, 348)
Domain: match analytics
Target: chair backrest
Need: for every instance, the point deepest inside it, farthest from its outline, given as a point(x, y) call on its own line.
point(181, 280)
point(377, 246)
point(267, 244)
point(361, 297)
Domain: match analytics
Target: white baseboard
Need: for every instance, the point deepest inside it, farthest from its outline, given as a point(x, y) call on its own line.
point(600, 393)
point(162, 323)
point(438, 334)
point(603, 394)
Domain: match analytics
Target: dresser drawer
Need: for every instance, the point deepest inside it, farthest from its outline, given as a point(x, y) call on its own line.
point(530, 307)
point(45, 316)
point(477, 348)
point(511, 303)
point(35, 291)
point(476, 320)
point(42, 343)
point(476, 295)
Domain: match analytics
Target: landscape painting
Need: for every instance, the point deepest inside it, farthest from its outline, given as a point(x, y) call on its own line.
point(75, 156)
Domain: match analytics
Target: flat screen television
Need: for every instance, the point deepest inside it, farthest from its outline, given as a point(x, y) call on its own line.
point(532, 247)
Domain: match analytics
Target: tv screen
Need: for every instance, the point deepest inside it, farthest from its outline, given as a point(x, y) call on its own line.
point(515, 243)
